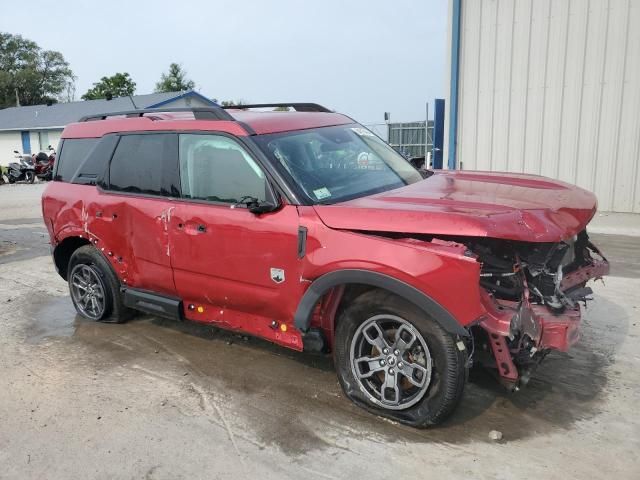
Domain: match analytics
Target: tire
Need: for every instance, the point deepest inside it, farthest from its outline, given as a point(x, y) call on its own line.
point(29, 177)
point(90, 272)
point(429, 375)
point(12, 180)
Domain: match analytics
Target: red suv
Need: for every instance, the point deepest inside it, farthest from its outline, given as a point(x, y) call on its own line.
point(304, 228)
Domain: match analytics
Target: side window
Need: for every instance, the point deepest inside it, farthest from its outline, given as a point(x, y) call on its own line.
point(95, 164)
point(141, 163)
point(217, 168)
point(74, 151)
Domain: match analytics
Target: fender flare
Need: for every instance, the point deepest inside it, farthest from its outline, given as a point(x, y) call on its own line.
point(320, 286)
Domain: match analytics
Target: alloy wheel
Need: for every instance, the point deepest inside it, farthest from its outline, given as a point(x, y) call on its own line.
point(88, 291)
point(391, 361)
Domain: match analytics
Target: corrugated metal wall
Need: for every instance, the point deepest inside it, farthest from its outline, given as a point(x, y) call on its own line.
point(552, 87)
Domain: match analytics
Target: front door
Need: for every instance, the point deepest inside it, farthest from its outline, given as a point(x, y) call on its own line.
point(26, 142)
point(230, 265)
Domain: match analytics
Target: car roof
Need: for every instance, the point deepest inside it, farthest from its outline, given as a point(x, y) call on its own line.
point(237, 122)
point(275, 122)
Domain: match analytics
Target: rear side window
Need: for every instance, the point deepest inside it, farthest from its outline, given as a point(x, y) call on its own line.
point(142, 164)
point(74, 152)
point(95, 164)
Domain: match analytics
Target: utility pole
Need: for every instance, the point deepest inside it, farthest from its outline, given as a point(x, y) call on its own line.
point(427, 157)
point(17, 99)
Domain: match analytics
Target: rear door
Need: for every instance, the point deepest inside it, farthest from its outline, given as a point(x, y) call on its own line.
point(135, 207)
point(239, 268)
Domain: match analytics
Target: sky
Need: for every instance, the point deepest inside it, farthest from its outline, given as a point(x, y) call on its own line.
point(358, 57)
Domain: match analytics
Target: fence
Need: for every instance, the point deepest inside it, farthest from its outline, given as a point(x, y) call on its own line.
point(411, 139)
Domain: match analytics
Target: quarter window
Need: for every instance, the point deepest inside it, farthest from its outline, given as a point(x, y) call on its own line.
point(74, 151)
point(217, 168)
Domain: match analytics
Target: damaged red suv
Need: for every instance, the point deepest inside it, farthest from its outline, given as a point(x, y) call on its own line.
point(304, 228)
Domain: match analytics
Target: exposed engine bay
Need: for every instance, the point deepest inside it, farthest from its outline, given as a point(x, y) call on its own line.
point(508, 268)
point(533, 296)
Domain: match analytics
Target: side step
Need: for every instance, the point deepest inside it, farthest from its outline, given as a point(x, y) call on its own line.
point(167, 307)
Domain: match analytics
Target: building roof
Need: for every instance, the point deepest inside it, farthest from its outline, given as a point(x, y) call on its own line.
point(60, 114)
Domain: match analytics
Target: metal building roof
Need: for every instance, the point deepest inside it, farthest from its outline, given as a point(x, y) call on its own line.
point(60, 114)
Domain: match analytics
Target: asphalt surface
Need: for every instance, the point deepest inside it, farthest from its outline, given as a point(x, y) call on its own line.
point(155, 399)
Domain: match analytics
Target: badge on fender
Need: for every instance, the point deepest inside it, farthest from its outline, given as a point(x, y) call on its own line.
point(277, 275)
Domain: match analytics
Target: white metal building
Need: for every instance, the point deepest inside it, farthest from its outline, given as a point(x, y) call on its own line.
point(549, 87)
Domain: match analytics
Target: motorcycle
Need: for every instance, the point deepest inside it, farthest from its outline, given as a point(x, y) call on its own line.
point(43, 164)
point(21, 171)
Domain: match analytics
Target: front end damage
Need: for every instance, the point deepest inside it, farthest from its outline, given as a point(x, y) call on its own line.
point(532, 294)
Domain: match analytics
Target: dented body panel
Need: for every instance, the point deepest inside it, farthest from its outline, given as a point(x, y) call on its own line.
point(439, 269)
point(133, 235)
point(476, 204)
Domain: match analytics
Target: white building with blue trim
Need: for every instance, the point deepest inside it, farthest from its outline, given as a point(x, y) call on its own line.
point(32, 129)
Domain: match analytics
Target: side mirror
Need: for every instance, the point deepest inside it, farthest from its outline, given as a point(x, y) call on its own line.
point(417, 162)
point(261, 207)
point(50, 148)
point(16, 151)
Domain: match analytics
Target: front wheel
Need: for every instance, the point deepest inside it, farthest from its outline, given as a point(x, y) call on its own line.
point(396, 361)
point(29, 177)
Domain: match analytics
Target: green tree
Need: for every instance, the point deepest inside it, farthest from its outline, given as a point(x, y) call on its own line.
point(30, 75)
point(118, 85)
point(231, 103)
point(175, 80)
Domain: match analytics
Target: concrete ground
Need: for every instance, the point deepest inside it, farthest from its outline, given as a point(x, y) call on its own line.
point(159, 400)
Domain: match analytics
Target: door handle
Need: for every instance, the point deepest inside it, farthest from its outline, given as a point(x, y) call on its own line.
point(192, 228)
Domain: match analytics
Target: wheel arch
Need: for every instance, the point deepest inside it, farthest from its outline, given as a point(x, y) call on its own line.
point(324, 283)
point(63, 251)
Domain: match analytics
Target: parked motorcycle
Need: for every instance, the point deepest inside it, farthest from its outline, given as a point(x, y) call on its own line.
point(43, 164)
point(21, 171)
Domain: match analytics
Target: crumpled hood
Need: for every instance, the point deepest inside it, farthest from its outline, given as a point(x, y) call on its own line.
point(479, 204)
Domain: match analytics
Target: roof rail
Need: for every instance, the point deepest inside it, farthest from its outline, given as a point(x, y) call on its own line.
point(298, 107)
point(199, 113)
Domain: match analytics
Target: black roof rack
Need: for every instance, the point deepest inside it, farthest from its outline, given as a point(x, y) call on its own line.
point(298, 107)
point(199, 113)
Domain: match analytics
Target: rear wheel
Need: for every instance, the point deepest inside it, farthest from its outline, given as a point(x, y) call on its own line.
point(29, 177)
point(396, 361)
point(94, 287)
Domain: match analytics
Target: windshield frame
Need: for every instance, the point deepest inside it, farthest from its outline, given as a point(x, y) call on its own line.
point(261, 142)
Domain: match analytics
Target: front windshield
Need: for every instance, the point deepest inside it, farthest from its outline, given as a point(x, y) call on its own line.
point(334, 164)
